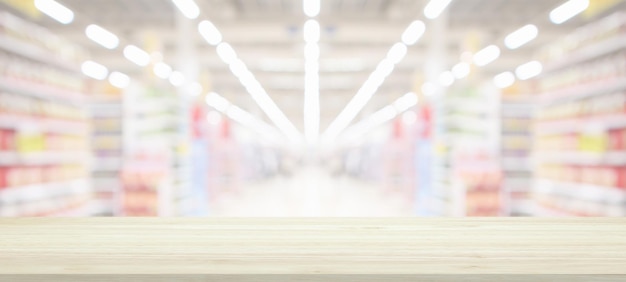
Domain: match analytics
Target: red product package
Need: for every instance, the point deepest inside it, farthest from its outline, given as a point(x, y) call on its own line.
point(3, 177)
point(621, 177)
point(616, 140)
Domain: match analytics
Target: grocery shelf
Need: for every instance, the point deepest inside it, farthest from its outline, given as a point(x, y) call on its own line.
point(44, 125)
point(587, 192)
point(35, 53)
point(539, 210)
point(43, 190)
point(582, 91)
point(43, 158)
point(591, 52)
point(582, 158)
point(42, 92)
point(516, 163)
point(606, 122)
point(83, 210)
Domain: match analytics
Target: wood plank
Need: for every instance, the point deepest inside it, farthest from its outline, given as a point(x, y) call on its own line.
point(314, 249)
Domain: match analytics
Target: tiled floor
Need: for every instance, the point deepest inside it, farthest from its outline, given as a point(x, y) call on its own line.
point(313, 192)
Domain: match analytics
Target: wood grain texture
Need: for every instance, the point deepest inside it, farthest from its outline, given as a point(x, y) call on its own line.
point(395, 248)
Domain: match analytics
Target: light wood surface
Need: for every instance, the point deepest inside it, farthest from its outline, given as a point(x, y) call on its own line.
point(310, 249)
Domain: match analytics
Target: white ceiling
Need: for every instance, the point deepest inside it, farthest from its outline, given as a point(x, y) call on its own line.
point(267, 36)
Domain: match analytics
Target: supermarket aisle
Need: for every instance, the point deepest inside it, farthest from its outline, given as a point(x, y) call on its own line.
point(312, 192)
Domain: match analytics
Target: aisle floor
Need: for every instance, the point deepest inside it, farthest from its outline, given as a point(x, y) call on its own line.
point(312, 192)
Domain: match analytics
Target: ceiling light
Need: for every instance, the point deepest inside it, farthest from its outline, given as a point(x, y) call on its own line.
point(413, 32)
point(94, 70)
point(177, 78)
point(461, 70)
point(446, 78)
point(311, 31)
point(218, 102)
point(396, 53)
point(194, 89)
point(119, 79)
point(188, 8)
point(162, 70)
point(210, 33)
point(226, 53)
point(136, 55)
point(55, 10)
point(504, 79)
point(311, 7)
point(102, 36)
point(434, 8)
point(568, 10)
point(428, 89)
point(528, 70)
point(383, 70)
point(311, 51)
point(405, 102)
point(486, 55)
point(521, 36)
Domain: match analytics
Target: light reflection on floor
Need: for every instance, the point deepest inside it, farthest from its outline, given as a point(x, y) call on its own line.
point(312, 192)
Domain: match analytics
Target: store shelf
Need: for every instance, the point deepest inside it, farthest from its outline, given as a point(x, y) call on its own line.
point(591, 52)
point(35, 53)
point(42, 191)
point(42, 92)
point(539, 210)
point(582, 158)
point(43, 158)
point(516, 164)
point(83, 210)
point(587, 192)
point(580, 125)
point(582, 91)
point(43, 125)
point(107, 164)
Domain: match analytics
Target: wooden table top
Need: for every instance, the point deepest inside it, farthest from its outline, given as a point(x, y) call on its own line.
point(351, 249)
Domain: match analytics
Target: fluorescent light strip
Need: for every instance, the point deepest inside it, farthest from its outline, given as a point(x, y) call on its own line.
point(188, 8)
point(162, 70)
point(365, 93)
point(311, 8)
point(55, 10)
point(177, 78)
point(434, 8)
point(446, 78)
point(260, 96)
point(521, 36)
point(486, 55)
point(239, 115)
point(311, 32)
point(461, 70)
point(504, 80)
point(413, 33)
point(94, 70)
point(210, 33)
point(137, 55)
point(213, 36)
point(568, 10)
point(119, 79)
point(226, 53)
point(102, 36)
point(381, 116)
point(397, 52)
point(528, 70)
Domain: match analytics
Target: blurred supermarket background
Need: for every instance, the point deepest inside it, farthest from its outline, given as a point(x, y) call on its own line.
point(312, 108)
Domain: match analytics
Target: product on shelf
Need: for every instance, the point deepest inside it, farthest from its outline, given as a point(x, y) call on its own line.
point(43, 124)
point(22, 36)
